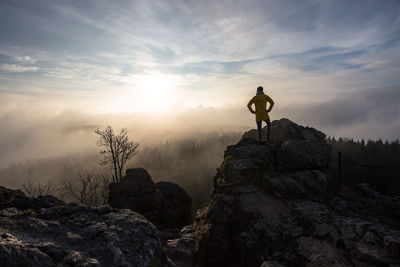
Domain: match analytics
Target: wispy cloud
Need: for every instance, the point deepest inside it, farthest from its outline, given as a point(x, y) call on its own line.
point(17, 68)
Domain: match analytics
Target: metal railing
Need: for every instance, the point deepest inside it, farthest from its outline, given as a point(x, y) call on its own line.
point(341, 156)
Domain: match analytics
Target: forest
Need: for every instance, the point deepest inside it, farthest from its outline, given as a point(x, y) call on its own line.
point(374, 162)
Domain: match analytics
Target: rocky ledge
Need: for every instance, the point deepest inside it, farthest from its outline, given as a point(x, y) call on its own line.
point(48, 232)
point(276, 205)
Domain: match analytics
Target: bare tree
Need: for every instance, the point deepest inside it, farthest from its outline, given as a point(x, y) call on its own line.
point(89, 189)
point(38, 189)
point(117, 149)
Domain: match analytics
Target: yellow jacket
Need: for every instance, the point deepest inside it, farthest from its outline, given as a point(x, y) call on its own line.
point(260, 102)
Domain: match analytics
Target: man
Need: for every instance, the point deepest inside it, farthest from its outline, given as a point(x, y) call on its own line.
point(260, 102)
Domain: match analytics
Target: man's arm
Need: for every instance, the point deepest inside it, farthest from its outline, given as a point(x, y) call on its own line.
point(249, 105)
point(271, 104)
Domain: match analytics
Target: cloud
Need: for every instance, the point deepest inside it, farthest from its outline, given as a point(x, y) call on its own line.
point(367, 114)
point(196, 38)
point(17, 68)
point(26, 59)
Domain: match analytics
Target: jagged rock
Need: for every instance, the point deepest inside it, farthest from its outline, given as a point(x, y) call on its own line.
point(303, 155)
point(285, 129)
point(138, 192)
point(17, 199)
point(165, 204)
point(75, 235)
point(276, 205)
point(271, 264)
point(14, 252)
point(75, 258)
point(178, 203)
point(181, 251)
point(7, 195)
point(38, 203)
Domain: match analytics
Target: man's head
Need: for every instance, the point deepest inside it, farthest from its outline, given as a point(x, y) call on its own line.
point(260, 89)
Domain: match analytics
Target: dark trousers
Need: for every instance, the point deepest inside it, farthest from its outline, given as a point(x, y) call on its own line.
point(259, 128)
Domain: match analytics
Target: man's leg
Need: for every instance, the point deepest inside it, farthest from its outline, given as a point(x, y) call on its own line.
point(268, 122)
point(259, 130)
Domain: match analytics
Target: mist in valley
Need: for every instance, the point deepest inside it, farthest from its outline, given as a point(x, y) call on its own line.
point(41, 145)
point(190, 162)
point(46, 152)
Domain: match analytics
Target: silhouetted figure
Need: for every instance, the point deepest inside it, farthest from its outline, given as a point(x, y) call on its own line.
point(260, 102)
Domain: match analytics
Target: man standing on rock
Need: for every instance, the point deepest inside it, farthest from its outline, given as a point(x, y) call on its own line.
point(260, 102)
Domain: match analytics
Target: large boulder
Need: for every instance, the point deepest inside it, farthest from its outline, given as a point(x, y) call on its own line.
point(276, 205)
point(166, 204)
point(138, 192)
point(178, 203)
point(75, 235)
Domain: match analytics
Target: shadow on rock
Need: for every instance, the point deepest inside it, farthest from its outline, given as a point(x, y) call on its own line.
point(165, 204)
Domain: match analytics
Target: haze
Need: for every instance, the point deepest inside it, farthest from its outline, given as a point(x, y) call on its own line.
point(166, 69)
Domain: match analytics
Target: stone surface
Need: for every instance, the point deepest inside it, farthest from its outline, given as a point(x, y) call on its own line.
point(8, 195)
point(74, 235)
point(178, 203)
point(165, 204)
point(276, 205)
point(285, 129)
point(10, 198)
point(181, 251)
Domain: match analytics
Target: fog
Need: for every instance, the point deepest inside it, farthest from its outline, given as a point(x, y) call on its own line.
point(186, 154)
point(27, 136)
point(40, 142)
point(186, 148)
point(368, 114)
point(32, 130)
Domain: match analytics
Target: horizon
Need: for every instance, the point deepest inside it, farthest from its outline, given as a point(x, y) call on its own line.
point(185, 66)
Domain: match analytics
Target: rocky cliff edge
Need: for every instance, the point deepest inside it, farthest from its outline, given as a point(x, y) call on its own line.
point(276, 205)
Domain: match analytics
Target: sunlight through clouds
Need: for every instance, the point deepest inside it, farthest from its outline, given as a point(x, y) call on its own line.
point(152, 93)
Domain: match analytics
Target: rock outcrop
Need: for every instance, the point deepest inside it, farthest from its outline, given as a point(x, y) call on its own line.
point(178, 203)
point(275, 205)
point(17, 199)
point(165, 204)
point(74, 235)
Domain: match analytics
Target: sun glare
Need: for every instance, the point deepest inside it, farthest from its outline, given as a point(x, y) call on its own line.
point(156, 92)
point(153, 87)
point(147, 93)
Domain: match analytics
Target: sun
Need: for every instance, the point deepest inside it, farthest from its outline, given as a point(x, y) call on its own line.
point(150, 94)
point(153, 86)
point(156, 92)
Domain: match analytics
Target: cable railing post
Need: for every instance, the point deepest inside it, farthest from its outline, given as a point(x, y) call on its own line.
point(339, 165)
point(340, 168)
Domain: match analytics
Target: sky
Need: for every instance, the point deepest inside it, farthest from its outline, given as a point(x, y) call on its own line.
point(333, 65)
